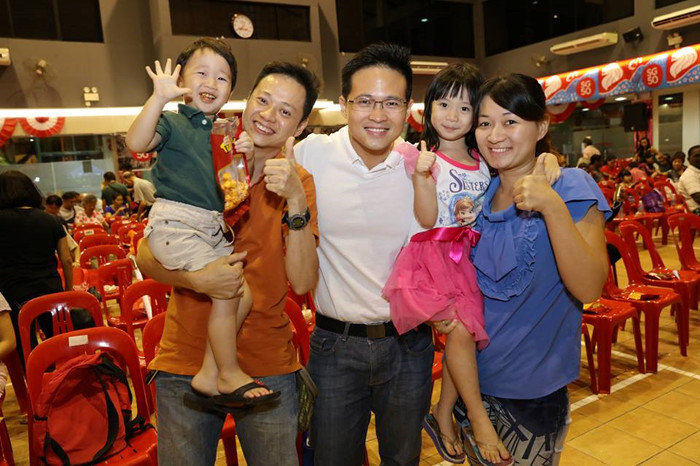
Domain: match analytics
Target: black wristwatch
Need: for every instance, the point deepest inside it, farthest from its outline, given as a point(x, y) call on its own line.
point(297, 221)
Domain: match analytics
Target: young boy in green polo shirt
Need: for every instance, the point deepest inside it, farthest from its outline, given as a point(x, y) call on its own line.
point(186, 229)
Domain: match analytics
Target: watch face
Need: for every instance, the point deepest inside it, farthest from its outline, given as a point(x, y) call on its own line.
point(242, 25)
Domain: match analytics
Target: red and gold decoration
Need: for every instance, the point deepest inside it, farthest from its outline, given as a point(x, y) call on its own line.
point(642, 74)
point(415, 119)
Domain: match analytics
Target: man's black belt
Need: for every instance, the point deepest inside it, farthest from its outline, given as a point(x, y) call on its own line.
point(371, 331)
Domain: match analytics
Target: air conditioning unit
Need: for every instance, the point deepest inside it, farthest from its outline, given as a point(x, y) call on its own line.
point(677, 18)
point(585, 43)
point(427, 67)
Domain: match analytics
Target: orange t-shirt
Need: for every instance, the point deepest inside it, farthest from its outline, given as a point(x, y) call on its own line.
point(265, 340)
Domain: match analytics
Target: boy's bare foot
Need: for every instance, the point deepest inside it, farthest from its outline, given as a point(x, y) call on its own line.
point(228, 383)
point(205, 384)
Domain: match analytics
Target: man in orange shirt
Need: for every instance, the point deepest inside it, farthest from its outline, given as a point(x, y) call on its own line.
point(278, 234)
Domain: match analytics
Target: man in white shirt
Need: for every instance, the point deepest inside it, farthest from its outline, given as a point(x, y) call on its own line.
point(144, 193)
point(364, 201)
point(70, 207)
point(689, 182)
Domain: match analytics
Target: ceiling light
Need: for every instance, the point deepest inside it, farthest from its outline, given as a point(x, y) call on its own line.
point(620, 99)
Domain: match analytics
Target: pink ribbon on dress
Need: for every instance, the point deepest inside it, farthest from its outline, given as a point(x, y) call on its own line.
point(455, 235)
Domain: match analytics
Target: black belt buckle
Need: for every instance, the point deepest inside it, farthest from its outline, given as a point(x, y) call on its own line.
point(376, 331)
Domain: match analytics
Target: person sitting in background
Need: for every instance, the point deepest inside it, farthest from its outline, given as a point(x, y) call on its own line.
point(89, 213)
point(643, 150)
point(677, 166)
point(594, 168)
point(52, 205)
point(663, 165)
point(689, 182)
point(117, 208)
point(144, 193)
point(624, 178)
point(638, 174)
point(111, 189)
point(70, 207)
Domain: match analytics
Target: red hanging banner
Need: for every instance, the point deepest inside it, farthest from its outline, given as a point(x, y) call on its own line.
point(559, 113)
point(7, 127)
point(415, 119)
point(42, 127)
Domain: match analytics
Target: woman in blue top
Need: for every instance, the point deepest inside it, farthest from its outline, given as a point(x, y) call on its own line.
point(541, 255)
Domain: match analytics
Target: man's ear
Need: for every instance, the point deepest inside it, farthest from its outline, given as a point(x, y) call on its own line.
point(301, 127)
point(343, 106)
point(409, 104)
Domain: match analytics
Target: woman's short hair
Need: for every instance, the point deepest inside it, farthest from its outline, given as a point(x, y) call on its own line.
point(18, 190)
point(90, 198)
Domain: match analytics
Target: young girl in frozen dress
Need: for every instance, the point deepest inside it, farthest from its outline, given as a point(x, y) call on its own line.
point(433, 278)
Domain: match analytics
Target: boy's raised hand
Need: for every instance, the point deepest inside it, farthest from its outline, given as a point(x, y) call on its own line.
point(426, 159)
point(165, 85)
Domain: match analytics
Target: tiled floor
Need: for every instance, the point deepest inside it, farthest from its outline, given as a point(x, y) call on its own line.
point(650, 419)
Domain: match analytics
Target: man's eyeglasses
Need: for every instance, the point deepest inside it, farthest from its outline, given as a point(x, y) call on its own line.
point(366, 104)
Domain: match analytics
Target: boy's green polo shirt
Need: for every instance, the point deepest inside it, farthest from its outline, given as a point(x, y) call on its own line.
point(184, 171)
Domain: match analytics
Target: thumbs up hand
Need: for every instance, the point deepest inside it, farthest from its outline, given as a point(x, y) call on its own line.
point(426, 159)
point(281, 173)
point(533, 192)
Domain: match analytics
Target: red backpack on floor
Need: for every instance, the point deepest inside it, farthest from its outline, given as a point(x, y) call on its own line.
point(83, 414)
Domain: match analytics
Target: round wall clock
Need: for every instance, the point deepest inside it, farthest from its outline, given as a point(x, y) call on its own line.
point(242, 25)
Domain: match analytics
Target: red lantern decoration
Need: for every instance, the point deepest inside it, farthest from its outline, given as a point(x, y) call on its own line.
point(7, 127)
point(42, 127)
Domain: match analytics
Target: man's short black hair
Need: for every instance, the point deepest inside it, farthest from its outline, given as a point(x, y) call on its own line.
point(110, 176)
point(53, 199)
point(595, 158)
point(307, 80)
point(68, 195)
point(384, 54)
point(216, 45)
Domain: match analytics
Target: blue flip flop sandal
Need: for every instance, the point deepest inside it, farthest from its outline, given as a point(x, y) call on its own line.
point(471, 449)
point(433, 429)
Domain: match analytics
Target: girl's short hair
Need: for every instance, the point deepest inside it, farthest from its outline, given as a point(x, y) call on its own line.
point(520, 94)
point(18, 190)
point(451, 82)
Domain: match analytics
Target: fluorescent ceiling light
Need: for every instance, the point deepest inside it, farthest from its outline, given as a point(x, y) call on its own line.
point(620, 99)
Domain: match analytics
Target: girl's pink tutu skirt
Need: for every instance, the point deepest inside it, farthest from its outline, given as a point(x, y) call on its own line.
point(433, 279)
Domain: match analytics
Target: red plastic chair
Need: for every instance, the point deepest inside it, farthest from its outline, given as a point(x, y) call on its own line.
point(135, 241)
point(96, 240)
point(133, 296)
point(102, 254)
point(685, 284)
point(648, 218)
point(119, 273)
point(650, 300)
point(152, 334)
point(124, 230)
point(686, 224)
point(6, 456)
point(87, 230)
point(300, 330)
point(675, 202)
point(87, 226)
point(60, 348)
point(117, 224)
point(59, 305)
point(605, 315)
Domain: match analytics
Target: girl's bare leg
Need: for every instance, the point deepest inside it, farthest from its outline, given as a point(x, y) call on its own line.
point(460, 352)
point(442, 411)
